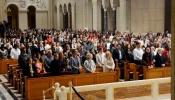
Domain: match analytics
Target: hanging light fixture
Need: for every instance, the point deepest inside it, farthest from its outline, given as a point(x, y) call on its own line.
point(9, 10)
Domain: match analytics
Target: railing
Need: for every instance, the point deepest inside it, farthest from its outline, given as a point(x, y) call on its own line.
point(151, 89)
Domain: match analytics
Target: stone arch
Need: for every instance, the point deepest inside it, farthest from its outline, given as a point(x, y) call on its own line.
point(12, 3)
point(31, 5)
point(13, 15)
point(31, 16)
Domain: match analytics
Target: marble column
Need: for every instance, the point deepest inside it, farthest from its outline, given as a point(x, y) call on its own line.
point(58, 19)
point(105, 20)
point(173, 50)
point(73, 17)
point(114, 19)
point(3, 15)
point(97, 15)
point(64, 20)
point(69, 19)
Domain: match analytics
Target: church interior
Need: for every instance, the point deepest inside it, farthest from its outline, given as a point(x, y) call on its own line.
point(87, 49)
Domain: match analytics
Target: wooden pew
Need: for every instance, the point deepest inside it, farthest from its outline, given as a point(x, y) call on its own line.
point(18, 80)
point(129, 68)
point(10, 71)
point(3, 65)
point(157, 72)
point(34, 86)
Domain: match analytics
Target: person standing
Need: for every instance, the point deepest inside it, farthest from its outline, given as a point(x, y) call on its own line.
point(89, 64)
point(47, 60)
point(138, 53)
point(23, 58)
point(55, 66)
point(15, 52)
point(108, 62)
point(75, 62)
point(100, 57)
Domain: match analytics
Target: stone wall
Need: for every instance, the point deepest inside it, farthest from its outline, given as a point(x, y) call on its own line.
point(147, 15)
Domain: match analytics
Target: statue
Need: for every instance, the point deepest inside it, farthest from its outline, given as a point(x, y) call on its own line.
point(61, 94)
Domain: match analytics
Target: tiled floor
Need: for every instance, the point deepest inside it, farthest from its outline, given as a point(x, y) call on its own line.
point(7, 92)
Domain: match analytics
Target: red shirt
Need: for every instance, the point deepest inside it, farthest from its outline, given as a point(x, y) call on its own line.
point(49, 40)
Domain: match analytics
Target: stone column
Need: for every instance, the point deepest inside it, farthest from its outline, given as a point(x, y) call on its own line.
point(73, 17)
point(23, 21)
point(3, 15)
point(58, 19)
point(173, 50)
point(97, 15)
point(64, 20)
point(105, 20)
point(114, 19)
point(69, 19)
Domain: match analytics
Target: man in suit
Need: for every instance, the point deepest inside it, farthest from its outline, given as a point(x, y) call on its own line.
point(75, 63)
point(119, 55)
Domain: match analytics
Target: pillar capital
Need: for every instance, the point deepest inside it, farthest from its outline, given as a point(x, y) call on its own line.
point(96, 2)
point(115, 3)
point(105, 4)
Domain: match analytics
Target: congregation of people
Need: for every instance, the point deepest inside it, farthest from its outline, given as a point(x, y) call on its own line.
point(53, 51)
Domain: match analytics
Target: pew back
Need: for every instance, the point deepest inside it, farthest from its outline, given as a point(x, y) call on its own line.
point(3, 65)
point(157, 72)
point(34, 86)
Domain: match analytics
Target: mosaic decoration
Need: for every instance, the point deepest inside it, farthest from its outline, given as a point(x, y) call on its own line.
point(90, 95)
point(164, 88)
point(133, 91)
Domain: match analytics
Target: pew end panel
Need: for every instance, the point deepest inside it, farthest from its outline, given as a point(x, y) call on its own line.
point(34, 87)
point(130, 68)
point(3, 63)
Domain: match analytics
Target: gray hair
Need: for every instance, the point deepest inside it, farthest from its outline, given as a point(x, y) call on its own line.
point(89, 55)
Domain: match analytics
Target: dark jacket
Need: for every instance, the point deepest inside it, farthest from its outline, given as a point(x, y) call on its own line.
point(147, 57)
point(159, 60)
point(129, 56)
point(22, 60)
point(115, 55)
point(55, 68)
point(26, 71)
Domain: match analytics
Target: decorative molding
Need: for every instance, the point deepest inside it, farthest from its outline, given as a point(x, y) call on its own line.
point(22, 3)
point(39, 4)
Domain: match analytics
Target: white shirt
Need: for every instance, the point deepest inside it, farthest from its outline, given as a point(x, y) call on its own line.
point(100, 58)
point(110, 38)
point(138, 53)
point(120, 54)
point(108, 64)
point(108, 46)
point(15, 53)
